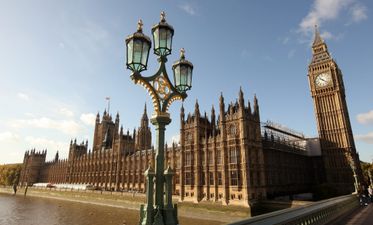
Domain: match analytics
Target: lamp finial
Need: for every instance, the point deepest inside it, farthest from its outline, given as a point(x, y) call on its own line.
point(163, 17)
point(182, 53)
point(139, 25)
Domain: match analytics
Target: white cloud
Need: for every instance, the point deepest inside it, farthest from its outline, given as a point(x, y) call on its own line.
point(88, 119)
point(328, 10)
point(65, 126)
point(66, 112)
point(291, 53)
point(368, 138)
point(322, 10)
point(44, 143)
point(245, 53)
point(326, 35)
point(23, 96)
point(285, 40)
point(358, 13)
point(61, 45)
point(365, 118)
point(9, 136)
point(187, 7)
point(175, 139)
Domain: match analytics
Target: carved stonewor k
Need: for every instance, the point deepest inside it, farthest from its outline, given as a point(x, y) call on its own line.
point(162, 93)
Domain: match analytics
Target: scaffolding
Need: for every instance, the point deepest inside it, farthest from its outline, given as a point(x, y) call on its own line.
point(281, 134)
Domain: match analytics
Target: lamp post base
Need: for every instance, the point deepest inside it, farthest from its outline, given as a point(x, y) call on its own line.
point(166, 216)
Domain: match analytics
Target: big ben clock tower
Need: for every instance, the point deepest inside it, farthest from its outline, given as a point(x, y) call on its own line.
point(333, 122)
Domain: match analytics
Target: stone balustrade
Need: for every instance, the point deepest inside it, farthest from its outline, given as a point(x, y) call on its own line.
point(319, 213)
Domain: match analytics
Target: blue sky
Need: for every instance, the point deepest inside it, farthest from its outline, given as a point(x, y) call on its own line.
point(60, 59)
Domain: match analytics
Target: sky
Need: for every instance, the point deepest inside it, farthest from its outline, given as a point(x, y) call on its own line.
point(59, 60)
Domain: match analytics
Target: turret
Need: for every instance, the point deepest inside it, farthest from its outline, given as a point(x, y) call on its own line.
point(212, 115)
point(221, 107)
point(249, 107)
point(116, 126)
point(97, 118)
point(241, 99)
point(182, 114)
point(144, 118)
point(56, 157)
point(196, 110)
point(213, 123)
point(143, 137)
point(256, 106)
point(117, 118)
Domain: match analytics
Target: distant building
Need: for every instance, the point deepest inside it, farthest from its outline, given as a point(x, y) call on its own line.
point(230, 158)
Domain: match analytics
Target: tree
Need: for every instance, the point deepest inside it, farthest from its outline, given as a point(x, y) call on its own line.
point(366, 167)
point(10, 174)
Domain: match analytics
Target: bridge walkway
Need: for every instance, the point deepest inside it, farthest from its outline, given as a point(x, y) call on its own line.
point(361, 216)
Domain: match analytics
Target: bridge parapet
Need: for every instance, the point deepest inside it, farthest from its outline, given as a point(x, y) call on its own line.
point(319, 213)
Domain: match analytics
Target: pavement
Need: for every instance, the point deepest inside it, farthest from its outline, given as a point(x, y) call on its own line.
point(361, 216)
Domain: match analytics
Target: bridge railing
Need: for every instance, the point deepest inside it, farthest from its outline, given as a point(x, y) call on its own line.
point(319, 213)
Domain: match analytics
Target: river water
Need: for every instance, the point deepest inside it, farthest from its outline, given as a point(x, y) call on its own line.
point(19, 210)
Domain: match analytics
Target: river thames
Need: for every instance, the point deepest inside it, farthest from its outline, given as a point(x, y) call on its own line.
point(19, 210)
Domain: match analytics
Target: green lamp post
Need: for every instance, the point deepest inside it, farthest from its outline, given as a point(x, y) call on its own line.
point(163, 92)
point(351, 161)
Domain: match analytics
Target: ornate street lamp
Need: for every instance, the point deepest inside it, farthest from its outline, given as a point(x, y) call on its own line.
point(163, 92)
point(370, 177)
point(351, 161)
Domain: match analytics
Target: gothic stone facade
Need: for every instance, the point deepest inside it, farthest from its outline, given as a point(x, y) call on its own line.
point(225, 158)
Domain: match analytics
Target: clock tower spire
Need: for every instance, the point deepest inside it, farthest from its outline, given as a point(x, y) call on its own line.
point(333, 121)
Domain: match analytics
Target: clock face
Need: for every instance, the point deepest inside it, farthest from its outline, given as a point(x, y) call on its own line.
point(323, 80)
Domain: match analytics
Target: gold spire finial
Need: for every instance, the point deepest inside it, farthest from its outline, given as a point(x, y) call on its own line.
point(182, 53)
point(163, 16)
point(139, 25)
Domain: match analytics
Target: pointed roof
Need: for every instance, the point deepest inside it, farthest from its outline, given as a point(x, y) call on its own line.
point(182, 108)
point(317, 39)
point(144, 115)
point(221, 98)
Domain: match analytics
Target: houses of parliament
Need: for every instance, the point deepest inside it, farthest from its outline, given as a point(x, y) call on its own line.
point(228, 157)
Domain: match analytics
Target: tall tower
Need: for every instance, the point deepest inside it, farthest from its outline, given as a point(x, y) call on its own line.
point(144, 135)
point(333, 122)
point(105, 131)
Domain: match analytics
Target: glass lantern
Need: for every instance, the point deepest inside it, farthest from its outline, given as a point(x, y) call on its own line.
point(138, 46)
point(182, 73)
point(162, 37)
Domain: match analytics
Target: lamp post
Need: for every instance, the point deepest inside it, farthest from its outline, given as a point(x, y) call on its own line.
point(163, 92)
point(351, 161)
